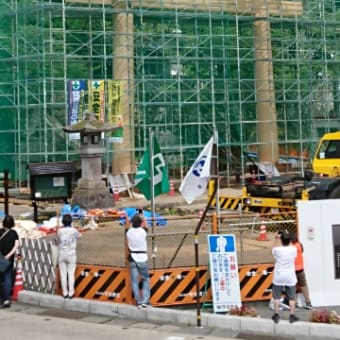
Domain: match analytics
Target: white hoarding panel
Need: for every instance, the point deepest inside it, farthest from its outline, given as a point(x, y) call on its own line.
point(319, 232)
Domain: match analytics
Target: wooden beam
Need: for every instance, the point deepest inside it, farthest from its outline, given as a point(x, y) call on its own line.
point(272, 8)
point(123, 71)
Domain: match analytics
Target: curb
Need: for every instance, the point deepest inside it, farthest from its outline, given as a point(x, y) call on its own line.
point(187, 317)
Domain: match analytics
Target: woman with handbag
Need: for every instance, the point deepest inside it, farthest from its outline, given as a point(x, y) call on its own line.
point(9, 243)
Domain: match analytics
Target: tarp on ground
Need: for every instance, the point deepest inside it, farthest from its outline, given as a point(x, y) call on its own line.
point(160, 221)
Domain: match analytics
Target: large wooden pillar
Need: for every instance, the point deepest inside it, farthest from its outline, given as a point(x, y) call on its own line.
point(265, 91)
point(123, 72)
point(123, 69)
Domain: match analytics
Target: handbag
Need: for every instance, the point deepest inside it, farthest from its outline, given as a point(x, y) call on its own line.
point(4, 263)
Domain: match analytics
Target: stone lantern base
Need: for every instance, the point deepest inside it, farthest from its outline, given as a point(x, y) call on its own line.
point(93, 198)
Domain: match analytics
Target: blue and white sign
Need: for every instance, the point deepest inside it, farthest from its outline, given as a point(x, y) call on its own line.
point(225, 282)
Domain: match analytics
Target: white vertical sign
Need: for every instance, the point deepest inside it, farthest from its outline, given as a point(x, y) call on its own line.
point(318, 222)
point(224, 277)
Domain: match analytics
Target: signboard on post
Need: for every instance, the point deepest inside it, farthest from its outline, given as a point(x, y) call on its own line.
point(225, 284)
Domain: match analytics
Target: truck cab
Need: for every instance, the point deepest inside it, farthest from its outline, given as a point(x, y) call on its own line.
point(326, 160)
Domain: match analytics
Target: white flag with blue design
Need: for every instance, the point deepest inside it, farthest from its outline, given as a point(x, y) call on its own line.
point(196, 180)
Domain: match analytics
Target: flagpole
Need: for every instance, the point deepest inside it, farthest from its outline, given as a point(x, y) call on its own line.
point(214, 173)
point(152, 192)
point(152, 180)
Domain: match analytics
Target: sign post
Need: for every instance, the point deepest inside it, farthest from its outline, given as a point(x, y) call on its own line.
point(225, 282)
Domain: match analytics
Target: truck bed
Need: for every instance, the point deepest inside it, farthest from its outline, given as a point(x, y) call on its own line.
point(276, 190)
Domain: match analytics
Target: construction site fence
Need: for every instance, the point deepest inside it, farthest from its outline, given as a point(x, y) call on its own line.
point(172, 245)
point(38, 271)
point(176, 249)
point(102, 271)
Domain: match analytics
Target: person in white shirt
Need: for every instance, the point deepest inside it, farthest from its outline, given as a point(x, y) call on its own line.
point(284, 277)
point(67, 255)
point(138, 260)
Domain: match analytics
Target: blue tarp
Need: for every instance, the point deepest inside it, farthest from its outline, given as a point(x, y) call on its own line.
point(160, 221)
point(75, 211)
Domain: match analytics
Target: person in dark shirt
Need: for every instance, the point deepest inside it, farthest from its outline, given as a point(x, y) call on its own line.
point(9, 244)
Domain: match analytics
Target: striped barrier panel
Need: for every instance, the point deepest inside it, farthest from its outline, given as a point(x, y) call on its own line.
point(102, 283)
point(175, 286)
point(255, 282)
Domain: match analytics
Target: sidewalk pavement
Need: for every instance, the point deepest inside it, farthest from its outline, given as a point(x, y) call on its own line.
point(230, 325)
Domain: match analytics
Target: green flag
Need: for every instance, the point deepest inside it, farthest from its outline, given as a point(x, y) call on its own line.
point(160, 172)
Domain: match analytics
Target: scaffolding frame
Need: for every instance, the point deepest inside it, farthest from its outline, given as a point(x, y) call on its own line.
point(191, 70)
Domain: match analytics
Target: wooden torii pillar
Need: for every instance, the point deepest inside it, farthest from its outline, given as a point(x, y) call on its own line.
point(123, 70)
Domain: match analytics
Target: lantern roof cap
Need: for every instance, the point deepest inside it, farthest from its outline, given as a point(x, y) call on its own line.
point(90, 124)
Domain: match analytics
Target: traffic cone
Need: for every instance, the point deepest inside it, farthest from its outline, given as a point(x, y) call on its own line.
point(116, 193)
point(263, 232)
point(18, 283)
point(172, 188)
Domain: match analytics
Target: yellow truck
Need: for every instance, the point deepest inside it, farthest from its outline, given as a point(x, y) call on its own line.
point(280, 193)
point(326, 161)
point(267, 196)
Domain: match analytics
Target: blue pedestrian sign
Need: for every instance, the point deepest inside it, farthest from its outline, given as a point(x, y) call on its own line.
point(225, 282)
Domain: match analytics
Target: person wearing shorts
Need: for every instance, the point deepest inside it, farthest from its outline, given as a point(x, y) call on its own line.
point(300, 271)
point(284, 277)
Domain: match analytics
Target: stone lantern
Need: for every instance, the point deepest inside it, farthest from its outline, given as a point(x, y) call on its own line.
point(91, 191)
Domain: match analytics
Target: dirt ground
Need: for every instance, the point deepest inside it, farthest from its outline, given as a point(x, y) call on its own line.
point(171, 245)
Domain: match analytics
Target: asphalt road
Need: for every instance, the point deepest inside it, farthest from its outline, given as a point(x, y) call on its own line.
point(25, 322)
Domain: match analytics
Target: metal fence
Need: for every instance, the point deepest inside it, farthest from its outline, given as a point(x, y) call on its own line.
point(176, 249)
point(37, 268)
point(170, 246)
